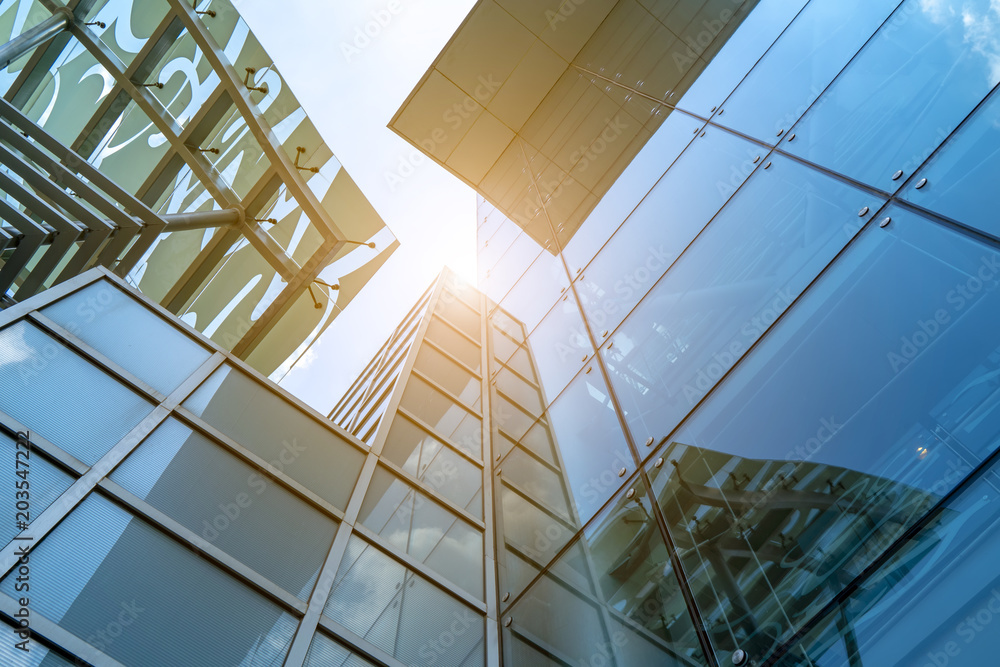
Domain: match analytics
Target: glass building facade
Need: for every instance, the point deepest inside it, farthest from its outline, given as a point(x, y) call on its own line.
point(728, 392)
point(741, 271)
point(158, 140)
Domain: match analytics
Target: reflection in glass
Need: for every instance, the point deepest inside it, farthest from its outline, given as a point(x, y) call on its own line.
point(64, 398)
point(290, 440)
point(962, 175)
point(616, 593)
point(403, 614)
point(695, 187)
point(924, 70)
point(124, 330)
point(805, 464)
point(230, 504)
point(768, 243)
point(413, 523)
point(805, 58)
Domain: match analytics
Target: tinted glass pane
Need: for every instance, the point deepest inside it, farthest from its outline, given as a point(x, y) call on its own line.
point(638, 178)
point(458, 382)
point(456, 424)
point(533, 295)
point(401, 613)
point(91, 575)
point(434, 463)
point(702, 179)
point(627, 566)
point(459, 315)
point(769, 242)
point(933, 602)
point(61, 396)
point(290, 440)
point(230, 504)
point(413, 523)
point(460, 347)
point(854, 127)
point(961, 176)
point(324, 652)
point(559, 346)
point(753, 37)
point(119, 327)
point(34, 481)
point(884, 382)
point(592, 446)
point(813, 50)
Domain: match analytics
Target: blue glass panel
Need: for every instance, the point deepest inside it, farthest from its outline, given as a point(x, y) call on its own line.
point(118, 326)
point(559, 346)
point(644, 620)
point(924, 71)
point(962, 176)
point(66, 399)
point(800, 65)
point(851, 419)
point(586, 431)
point(769, 242)
point(935, 603)
point(638, 178)
point(757, 32)
point(117, 583)
point(230, 504)
point(676, 209)
point(40, 485)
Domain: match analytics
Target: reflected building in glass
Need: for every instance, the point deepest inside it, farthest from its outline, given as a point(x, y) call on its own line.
point(740, 262)
point(158, 140)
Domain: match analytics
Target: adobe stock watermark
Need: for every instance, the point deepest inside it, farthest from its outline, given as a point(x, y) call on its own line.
point(433, 650)
point(229, 512)
point(36, 360)
point(566, 9)
point(690, 48)
point(723, 360)
point(967, 630)
point(584, 156)
point(127, 615)
point(366, 34)
point(451, 120)
point(964, 293)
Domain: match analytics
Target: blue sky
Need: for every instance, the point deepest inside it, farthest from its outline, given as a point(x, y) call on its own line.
point(351, 64)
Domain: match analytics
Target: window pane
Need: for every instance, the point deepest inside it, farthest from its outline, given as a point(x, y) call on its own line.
point(769, 242)
point(401, 613)
point(324, 652)
point(458, 425)
point(962, 176)
point(92, 576)
point(537, 290)
point(807, 56)
point(753, 37)
point(559, 346)
point(930, 603)
point(885, 385)
point(462, 348)
point(459, 315)
point(230, 504)
point(854, 127)
point(675, 210)
point(413, 523)
point(454, 379)
point(119, 327)
point(273, 429)
point(58, 394)
point(40, 485)
point(430, 461)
